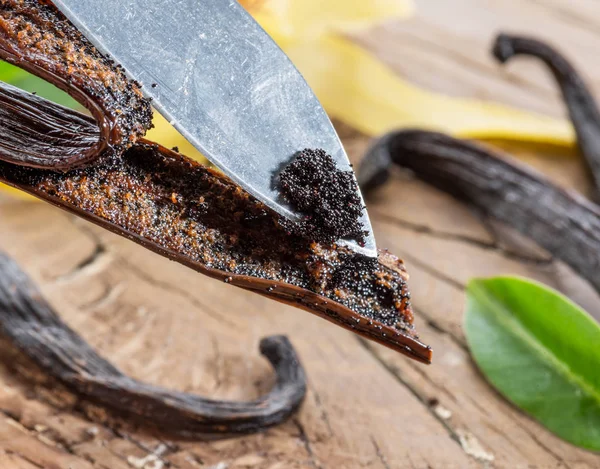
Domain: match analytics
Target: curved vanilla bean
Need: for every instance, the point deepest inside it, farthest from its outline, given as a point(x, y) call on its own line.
point(582, 107)
point(564, 223)
point(33, 327)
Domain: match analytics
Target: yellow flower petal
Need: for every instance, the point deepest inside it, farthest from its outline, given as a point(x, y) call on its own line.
point(311, 18)
point(359, 90)
point(166, 135)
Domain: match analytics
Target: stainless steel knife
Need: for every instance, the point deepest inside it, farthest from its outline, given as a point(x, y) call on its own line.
point(220, 80)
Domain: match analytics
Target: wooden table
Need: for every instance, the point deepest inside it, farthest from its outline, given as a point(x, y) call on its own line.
point(366, 406)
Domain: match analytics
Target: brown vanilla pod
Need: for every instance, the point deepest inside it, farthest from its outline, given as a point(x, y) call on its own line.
point(561, 221)
point(35, 36)
point(582, 107)
point(34, 327)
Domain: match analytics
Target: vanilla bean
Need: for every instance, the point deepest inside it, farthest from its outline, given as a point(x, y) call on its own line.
point(33, 326)
point(563, 222)
point(580, 102)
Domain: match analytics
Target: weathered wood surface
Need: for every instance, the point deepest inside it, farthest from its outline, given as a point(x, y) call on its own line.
point(366, 406)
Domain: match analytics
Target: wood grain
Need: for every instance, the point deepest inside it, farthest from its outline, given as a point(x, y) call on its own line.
point(366, 406)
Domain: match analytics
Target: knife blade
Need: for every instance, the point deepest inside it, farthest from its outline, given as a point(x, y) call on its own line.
point(222, 82)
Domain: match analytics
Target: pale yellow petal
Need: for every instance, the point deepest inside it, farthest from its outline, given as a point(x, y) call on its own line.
point(311, 18)
point(358, 89)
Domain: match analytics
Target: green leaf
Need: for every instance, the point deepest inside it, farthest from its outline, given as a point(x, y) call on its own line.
point(9, 73)
point(26, 81)
point(541, 351)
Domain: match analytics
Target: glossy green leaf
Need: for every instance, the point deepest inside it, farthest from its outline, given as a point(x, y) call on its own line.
point(9, 73)
point(541, 351)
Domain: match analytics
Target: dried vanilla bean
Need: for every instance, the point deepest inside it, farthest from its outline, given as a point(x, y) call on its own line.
point(582, 107)
point(33, 326)
point(563, 222)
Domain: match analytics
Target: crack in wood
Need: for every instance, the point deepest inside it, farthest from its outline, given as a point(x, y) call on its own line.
point(380, 455)
point(493, 226)
point(147, 450)
point(24, 458)
point(117, 455)
point(87, 266)
point(478, 243)
point(547, 448)
point(503, 433)
point(168, 287)
point(50, 438)
point(475, 403)
point(110, 294)
point(426, 378)
point(307, 444)
point(155, 456)
point(218, 361)
point(324, 415)
point(457, 340)
point(432, 271)
point(414, 391)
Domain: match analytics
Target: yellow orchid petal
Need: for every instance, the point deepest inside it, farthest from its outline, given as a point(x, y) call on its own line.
point(311, 18)
point(359, 90)
point(166, 135)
